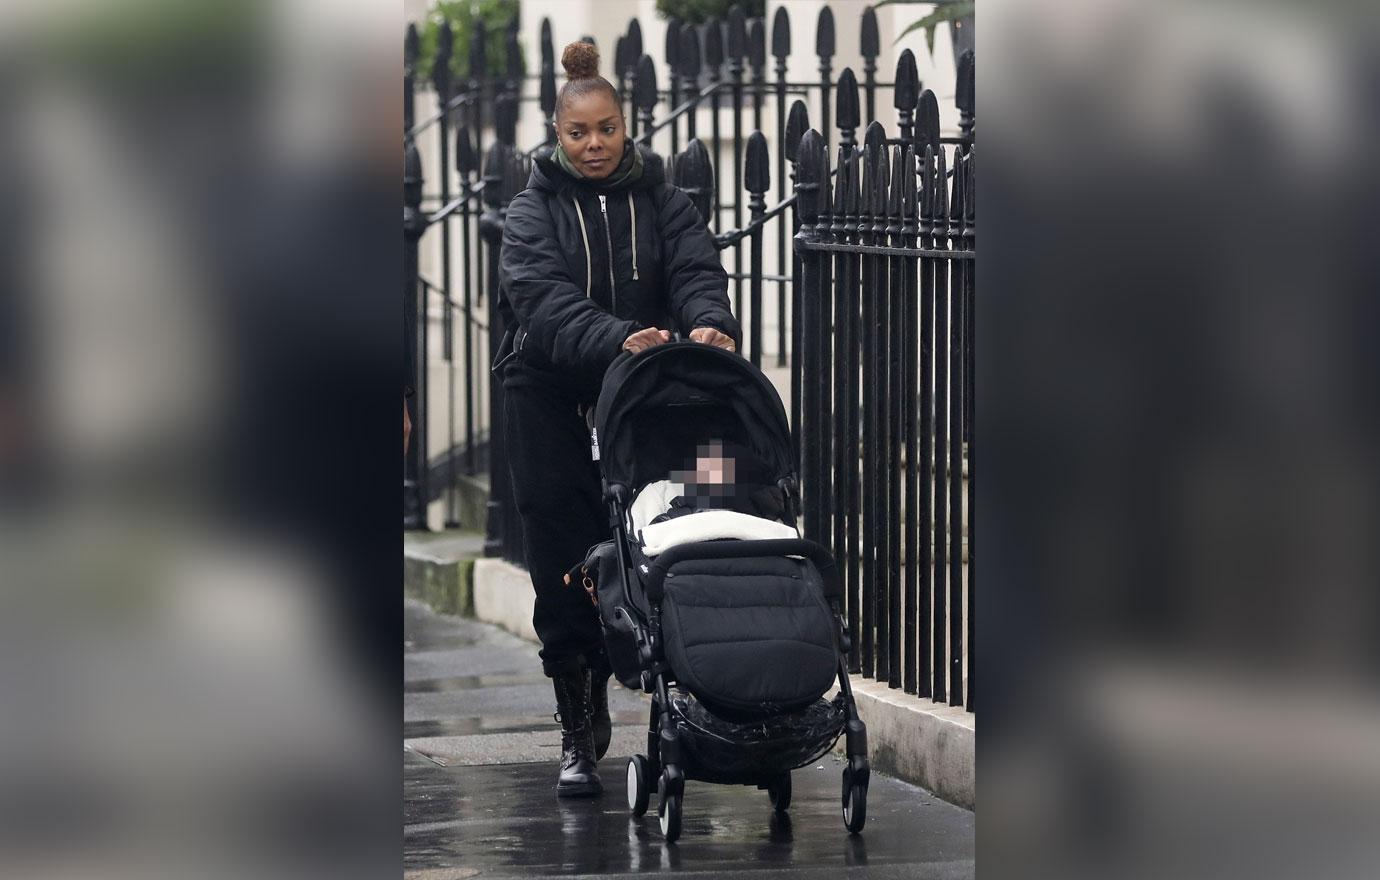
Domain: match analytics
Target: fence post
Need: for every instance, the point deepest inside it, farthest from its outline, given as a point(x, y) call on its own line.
point(942, 588)
point(712, 42)
point(824, 48)
point(465, 165)
point(644, 91)
point(757, 61)
point(904, 95)
point(505, 119)
point(440, 71)
point(910, 334)
point(547, 95)
point(479, 67)
point(512, 86)
point(735, 39)
point(929, 602)
point(411, 208)
point(833, 222)
point(932, 667)
point(411, 50)
point(963, 97)
point(957, 379)
point(827, 228)
point(633, 49)
point(414, 305)
point(441, 79)
point(689, 57)
point(693, 174)
point(896, 404)
point(673, 28)
point(497, 536)
point(758, 173)
point(873, 225)
point(620, 72)
point(969, 421)
point(854, 317)
point(847, 112)
point(812, 193)
point(796, 126)
point(927, 123)
point(516, 170)
point(780, 48)
point(871, 47)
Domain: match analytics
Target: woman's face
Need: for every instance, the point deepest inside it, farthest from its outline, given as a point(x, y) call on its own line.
point(591, 132)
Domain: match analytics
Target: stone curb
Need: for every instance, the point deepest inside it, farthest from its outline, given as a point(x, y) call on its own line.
point(930, 744)
point(503, 596)
point(444, 584)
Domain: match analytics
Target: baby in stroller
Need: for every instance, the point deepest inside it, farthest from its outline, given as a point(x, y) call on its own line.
point(727, 489)
point(709, 599)
point(721, 476)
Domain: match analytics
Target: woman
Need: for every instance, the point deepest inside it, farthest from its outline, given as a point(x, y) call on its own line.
point(600, 255)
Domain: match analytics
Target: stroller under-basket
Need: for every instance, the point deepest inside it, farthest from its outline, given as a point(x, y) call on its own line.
point(737, 640)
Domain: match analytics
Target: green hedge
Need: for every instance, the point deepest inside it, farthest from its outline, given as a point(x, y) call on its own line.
point(700, 11)
point(496, 15)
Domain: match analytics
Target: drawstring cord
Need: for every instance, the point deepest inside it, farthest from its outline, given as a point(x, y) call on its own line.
point(584, 236)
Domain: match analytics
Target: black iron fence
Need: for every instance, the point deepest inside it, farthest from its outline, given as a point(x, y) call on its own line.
point(873, 311)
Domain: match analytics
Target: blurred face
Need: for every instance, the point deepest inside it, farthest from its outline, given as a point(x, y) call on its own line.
point(712, 466)
point(591, 132)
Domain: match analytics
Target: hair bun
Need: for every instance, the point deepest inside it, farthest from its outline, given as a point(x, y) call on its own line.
point(580, 60)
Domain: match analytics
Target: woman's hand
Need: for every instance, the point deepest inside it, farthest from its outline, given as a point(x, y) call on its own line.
point(711, 336)
point(645, 339)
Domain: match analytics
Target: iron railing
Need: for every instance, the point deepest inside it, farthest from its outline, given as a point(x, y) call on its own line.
point(875, 311)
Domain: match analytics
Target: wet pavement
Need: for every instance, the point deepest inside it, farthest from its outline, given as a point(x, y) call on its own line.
point(479, 799)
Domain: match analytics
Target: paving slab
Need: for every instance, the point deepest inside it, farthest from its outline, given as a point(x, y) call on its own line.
point(479, 767)
point(505, 821)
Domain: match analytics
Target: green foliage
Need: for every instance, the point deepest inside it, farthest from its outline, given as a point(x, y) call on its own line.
point(154, 40)
point(700, 11)
point(462, 14)
point(943, 11)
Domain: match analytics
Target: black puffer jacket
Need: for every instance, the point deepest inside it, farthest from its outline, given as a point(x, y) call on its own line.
point(583, 267)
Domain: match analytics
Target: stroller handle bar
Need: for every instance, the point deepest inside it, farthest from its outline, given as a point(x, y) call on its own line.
point(731, 549)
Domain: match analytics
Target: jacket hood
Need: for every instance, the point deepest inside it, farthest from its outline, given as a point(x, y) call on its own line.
point(551, 177)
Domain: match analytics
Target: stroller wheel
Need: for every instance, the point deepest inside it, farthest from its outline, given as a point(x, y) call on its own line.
point(669, 813)
point(854, 802)
point(638, 791)
point(780, 792)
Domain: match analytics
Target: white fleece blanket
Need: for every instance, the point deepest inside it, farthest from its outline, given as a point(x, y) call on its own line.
point(654, 500)
point(711, 525)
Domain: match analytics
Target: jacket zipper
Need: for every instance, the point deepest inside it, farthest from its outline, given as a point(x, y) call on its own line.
point(632, 212)
point(608, 239)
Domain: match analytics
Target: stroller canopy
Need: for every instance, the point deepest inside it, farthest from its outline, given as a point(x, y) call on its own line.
point(657, 406)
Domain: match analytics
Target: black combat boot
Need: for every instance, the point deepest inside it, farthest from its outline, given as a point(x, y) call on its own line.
point(579, 771)
point(598, 673)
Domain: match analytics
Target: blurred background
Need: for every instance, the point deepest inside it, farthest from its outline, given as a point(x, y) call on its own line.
point(198, 332)
point(1177, 394)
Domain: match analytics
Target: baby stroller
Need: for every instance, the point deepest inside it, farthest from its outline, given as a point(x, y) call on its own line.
point(736, 637)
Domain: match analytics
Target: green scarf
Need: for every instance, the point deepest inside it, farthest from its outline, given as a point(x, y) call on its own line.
point(628, 172)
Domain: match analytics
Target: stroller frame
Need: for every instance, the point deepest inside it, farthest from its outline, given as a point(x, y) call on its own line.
point(665, 760)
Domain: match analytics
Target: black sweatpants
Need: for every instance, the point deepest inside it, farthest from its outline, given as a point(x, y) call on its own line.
point(556, 486)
